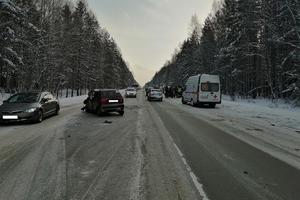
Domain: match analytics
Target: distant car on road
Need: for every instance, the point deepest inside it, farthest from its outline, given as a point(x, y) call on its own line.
point(155, 95)
point(130, 92)
point(202, 89)
point(29, 106)
point(147, 90)
point(104, 100)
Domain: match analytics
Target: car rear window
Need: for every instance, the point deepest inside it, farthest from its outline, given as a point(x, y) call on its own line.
point(210, 87)
point(109, 94)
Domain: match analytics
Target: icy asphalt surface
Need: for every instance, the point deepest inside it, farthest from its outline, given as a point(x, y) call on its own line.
point(77, 155)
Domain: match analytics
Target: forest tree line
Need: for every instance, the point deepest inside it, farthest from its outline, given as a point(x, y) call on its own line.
point(254, 45)
point(57, 45)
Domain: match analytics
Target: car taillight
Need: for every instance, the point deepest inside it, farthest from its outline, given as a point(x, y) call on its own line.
point(104, 100)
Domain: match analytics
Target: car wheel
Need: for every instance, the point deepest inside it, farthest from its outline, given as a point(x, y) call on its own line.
point(121, 112)
point(39, 117)
point(213, 105)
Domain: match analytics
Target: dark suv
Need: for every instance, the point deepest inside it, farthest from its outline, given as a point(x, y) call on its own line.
point(104, 100)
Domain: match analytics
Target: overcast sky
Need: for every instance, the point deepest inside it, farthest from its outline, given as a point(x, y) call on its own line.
point(148, 31)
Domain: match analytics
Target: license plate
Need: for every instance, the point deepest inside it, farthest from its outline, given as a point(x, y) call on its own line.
point(10, 117)
point(113, 101)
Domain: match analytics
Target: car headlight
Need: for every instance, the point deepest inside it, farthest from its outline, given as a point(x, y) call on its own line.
point(30, 110)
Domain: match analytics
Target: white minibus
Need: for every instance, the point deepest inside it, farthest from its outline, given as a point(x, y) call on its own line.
point(202, 89)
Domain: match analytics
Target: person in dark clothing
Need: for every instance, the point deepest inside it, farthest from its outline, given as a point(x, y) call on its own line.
point(86, 101)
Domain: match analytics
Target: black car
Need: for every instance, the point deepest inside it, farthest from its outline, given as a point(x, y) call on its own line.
point(104, 100)
point(29, 106)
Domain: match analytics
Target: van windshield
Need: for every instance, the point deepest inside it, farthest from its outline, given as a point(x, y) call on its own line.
point(210, 87)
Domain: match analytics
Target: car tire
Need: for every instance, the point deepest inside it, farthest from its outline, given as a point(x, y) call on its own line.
point(213, 105)
point(39, 117)
point(121, 112)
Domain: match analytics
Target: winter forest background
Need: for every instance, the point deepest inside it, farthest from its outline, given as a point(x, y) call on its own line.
point(55, 45)
point(254, 45)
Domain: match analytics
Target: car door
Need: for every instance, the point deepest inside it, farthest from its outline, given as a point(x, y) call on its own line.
point(52, 103)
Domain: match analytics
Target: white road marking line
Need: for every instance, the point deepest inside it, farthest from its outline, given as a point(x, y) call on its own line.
point(194, 178)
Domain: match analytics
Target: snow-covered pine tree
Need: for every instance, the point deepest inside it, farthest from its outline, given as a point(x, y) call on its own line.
point(208, 46)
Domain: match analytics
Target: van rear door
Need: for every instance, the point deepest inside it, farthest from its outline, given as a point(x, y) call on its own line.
point(210, 92)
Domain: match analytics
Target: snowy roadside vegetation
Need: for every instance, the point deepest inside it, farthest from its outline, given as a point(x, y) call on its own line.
point(54, 45)
point(253, 45)
point(262, 111)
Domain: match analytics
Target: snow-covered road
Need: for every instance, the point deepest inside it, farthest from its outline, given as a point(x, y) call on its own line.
point(157, 151)
point(77, 155)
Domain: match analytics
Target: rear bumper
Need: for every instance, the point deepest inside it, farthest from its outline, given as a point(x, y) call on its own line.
point(21, 117)
point(130, 95)
point(155, 98)
point(112, 108)
point(210, 102)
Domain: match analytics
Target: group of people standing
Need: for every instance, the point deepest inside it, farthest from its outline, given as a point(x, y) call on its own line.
point(173, 91)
